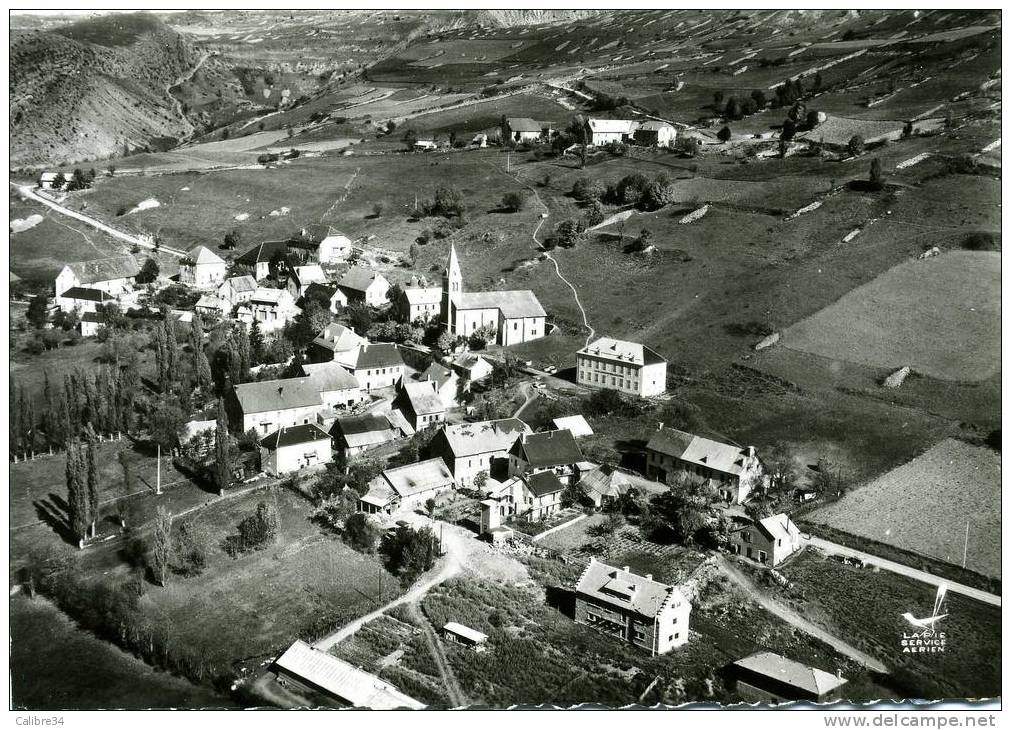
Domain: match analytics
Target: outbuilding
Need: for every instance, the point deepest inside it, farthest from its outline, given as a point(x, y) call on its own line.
point(291, 448)
point(465, 635)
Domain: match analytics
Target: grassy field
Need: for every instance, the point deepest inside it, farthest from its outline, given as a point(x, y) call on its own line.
point(882, 323)
point(923, 506)
point(867, 607)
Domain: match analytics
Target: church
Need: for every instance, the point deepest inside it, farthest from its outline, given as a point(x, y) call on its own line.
point(516, 316)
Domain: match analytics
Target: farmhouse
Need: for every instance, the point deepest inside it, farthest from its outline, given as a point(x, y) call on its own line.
point(524, 129)
point(360, 284)
point(472, 367)
point(237, 289)
point(407, 487)
point(734, 471)
point(765, 677)
point(48, 180)
point(264, 259)
point(420, 404)
point(355, 434)
point(515, 316)
point(336, 386)
point(425, 144)
point(605, 131)
point(272, 308)
point(267, 405)
point(291, 448)
point(114, 276)
point(604, 485)
point(336, 343)
point(460, 634)
point(89, 324)
point(536, 496)
point(83, 299)
point(301, 667)
point(327, 296)
point(301, 277)
point(655, 134)
point(421, 303)
point(646, 613)
point(549, 451)
point(376, 366)
point(627, 367)
point(471, 448)
point(211, 305)
point(768, 541)
point(446, 382)
point(323, 244)
point(202, 268)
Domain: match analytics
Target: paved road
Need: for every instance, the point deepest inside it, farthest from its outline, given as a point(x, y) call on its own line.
point(27, 192)
point(898, 568)
point(795, 619)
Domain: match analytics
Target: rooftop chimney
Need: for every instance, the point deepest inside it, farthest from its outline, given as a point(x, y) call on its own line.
point(659, 426)
point(625, 568)
point(649, 576)
point(751, 452)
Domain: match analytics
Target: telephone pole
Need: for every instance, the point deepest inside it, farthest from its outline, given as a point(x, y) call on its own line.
point(157, 489)
point(965, 547)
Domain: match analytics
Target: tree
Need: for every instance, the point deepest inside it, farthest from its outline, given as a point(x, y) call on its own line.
point(587, 189)
point(856, 145)
point(377, 210)
point(724, 134)
point(430, 505)
point(877, 180)
point(733, 109)
point(127, 466)
point(360, 533)
point(77, 495)
point(359, 316)
point(222, 450)
point(232, 240)
point(313, 318)
point(37, 308)
point(683, 511)
point(60, 181)
point(812, 119)
point(148, 272)
point(907, 130)
point(479, 338)
point(514, 201)
point(161, 546)
point(91, 480)
point(718, 100)
point(190, 549)
point(111, 169)
point(445, 342)
point(759, 98)
point(166, 421)
point(658, 195)
point(568, 233)
point(644, 241)
point(259, 528)
point(409, 552)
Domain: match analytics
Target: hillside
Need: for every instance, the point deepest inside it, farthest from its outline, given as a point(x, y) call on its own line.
point(89, 89)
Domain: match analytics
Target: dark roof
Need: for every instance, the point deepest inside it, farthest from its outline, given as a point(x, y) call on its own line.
point(543, 482)
point(359, 278)
point(322, 293)
point(381, 355)
point(87, 294)
point(793, 674)
point(437, 374)
point(110, 269)
point(294, 435)
point(365, 423)
point(547, 449)
point(670, 441)
point(524, 124)
point(92, 317)
point(263, 252)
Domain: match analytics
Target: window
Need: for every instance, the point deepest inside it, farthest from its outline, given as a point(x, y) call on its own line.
point(762, 556)
point(779, 542)
point(516, 326)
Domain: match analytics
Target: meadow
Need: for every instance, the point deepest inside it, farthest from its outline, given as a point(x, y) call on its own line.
point(924, 506)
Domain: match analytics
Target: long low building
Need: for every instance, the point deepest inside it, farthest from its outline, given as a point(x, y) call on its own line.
point(406, 487)
point(267, 405)
point(301, 667)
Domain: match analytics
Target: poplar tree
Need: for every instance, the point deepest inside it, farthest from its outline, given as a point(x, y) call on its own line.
point(92, 480)
point(77, 499)
point(161, 549)
point(222, 452)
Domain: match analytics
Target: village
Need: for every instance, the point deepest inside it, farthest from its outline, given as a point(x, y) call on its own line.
point(486, 456)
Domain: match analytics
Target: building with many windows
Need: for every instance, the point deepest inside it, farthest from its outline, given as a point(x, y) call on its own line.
point(627, 367)
point(644, 612)
point(734, 471)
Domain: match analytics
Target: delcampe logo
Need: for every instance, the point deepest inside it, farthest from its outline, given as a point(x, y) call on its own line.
point(924, 636)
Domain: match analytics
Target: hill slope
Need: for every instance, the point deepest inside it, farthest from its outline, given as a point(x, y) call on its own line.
point(90, 88)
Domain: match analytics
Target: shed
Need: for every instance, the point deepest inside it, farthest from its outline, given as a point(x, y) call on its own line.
point(464, 635)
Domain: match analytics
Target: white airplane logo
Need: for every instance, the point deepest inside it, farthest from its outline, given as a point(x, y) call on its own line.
point(928, 623)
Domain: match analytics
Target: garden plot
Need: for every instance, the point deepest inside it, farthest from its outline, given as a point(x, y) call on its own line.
point(923, 506)
point(941, 317)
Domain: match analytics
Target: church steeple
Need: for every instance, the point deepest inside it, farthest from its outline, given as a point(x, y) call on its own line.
point(452, 288)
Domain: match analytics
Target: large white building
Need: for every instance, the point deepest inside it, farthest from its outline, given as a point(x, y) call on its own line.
point(85, 279)
point(515, 316)
point(624, 366)
point(268, 405)
point(271, 308)
point(202, 268)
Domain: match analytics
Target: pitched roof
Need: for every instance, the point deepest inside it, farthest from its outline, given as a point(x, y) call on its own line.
point(203, 255)
point(624, 589)
point(210, 301)
point(265, 295)
point(263, 252)
point(364, 430)
point(294, 435)
point(110, 269)
point(277, 395)
point(778, 527)
point(790, 672)
point(622, 126)
point(329, 376)
point(547, 449)
point(309, 274)
point(342, 679)
point(466, 632)
point(576, 424)
point(467, 439)
point(653, 126)
point(468, 361)
point(420, 477)
point(423, 295)
point(423, 398)
point(87, 294)
point(524, 124)
point(512, 304)
point(240, 284)
point(698, 450)
point(93, 317)
point(605, 481)
point(622, 351)
point(543, 482)
point(359, 278)
point(437, 374)
point(379, 355)
point(316, 232)
point(338, 338)
point(320, 292)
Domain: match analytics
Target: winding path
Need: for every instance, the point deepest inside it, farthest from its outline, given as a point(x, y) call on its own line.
point(795, 619)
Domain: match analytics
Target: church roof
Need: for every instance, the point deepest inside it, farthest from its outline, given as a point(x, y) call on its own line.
point(512, 304)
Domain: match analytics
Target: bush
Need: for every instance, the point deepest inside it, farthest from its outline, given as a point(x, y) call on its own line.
point(856, 145)
point(981, 241)
point(360, 533)
point(514, 201)
point(724, 134)
point(255, 531)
